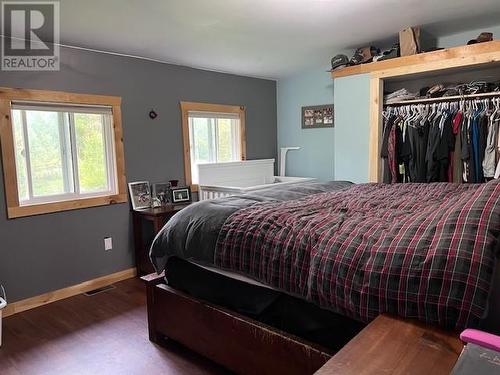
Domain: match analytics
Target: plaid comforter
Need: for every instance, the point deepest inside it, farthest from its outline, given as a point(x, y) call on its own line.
point(424, 251)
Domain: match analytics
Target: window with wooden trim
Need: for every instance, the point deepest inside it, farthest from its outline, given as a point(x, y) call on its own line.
point(213, 133)
point(60, 151)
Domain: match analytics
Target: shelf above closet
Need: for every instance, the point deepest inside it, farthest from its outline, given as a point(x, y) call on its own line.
point(444, 99)
point(442, 56)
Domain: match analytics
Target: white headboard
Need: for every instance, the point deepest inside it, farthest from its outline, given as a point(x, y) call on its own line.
point(237, 174)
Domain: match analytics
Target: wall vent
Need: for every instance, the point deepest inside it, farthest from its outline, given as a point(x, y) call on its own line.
point(99, 290)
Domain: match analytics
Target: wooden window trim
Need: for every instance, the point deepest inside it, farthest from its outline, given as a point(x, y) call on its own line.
point(186, 107)
point(14, 209)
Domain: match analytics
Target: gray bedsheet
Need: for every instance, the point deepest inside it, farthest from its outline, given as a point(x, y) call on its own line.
point(192, 233)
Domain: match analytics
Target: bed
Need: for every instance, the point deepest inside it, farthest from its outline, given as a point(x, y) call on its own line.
point(352, 252)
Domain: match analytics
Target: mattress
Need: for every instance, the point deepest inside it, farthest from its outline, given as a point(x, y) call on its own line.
point(231, 275)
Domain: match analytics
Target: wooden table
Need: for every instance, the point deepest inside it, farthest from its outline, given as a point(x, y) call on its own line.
point(158, 217)
point(390, 345)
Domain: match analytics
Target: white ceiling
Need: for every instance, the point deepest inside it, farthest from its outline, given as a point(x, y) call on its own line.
point(263, 38)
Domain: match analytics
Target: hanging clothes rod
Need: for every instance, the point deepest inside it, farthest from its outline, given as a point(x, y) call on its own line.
point(445, 99)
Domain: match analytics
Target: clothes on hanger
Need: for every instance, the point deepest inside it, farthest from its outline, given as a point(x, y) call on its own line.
point(418, 138)
point(497, 171)
point(476, 146)
point(492, 140)
point(456, 170)
point(450, 141)
point(388, 151)
point(433, 157)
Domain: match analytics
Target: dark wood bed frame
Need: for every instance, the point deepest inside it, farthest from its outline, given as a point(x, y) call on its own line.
point(234, 341)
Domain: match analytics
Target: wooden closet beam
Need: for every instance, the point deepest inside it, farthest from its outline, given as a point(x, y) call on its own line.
point(480, 53)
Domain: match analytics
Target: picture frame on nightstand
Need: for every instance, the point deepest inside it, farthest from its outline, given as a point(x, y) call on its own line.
point(180, 194)
point(161, 192)
point(140, 194)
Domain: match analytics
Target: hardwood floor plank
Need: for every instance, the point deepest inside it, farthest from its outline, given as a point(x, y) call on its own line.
point(102, 334)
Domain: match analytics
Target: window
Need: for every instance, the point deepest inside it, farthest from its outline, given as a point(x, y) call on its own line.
point(213, 138)
point(212, 134)
point(64, 153)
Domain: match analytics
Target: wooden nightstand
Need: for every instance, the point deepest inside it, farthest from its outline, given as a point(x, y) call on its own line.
point(158, 218)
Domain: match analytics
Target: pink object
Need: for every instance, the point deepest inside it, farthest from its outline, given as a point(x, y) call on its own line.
point(484, 339)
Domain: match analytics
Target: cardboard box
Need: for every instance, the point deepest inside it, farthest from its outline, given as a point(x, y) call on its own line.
point(413, 40)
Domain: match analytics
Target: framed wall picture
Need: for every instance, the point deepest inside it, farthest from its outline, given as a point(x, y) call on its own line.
point(181, 194)
point(317, 116)
point(140, 194)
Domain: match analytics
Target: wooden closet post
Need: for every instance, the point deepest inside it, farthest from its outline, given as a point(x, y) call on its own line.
point(376, 107)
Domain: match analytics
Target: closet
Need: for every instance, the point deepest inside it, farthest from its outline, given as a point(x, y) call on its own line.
point(361, 117)
point(447, 139)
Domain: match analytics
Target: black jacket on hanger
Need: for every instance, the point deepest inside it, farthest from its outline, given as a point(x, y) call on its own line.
point(418, 137)
point(445, 147)
point(432, 145)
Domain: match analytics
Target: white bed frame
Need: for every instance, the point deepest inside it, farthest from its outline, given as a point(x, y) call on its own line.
point(218, 180)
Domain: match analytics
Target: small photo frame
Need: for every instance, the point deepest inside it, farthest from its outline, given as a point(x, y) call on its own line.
point(140, 194)
point(161, 191)
point(181, 194)
point(317, 116)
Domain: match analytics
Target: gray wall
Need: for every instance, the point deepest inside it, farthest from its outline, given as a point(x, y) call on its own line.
point(47, 252)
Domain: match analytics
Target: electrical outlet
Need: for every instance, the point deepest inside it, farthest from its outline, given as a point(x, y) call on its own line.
point(108, 243)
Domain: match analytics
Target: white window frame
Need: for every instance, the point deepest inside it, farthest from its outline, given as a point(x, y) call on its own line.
point(213, 137)
point(210, 109)
point(68, 147)
point(213, 134)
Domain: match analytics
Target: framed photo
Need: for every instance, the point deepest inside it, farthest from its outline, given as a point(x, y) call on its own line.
point(161, 192)
point(317, 116)
point(181, 194)
point(140, 194)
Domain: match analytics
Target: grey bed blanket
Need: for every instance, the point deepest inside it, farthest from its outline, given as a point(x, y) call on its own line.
point(192, 233)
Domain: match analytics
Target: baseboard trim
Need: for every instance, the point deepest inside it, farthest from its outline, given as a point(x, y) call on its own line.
point(56, 295)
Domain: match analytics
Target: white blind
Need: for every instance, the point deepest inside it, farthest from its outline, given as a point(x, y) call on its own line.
point(61, 107)
point(219, 115)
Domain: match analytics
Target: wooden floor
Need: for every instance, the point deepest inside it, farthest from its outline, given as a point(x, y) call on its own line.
point(102, 334)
